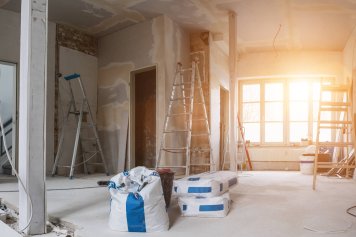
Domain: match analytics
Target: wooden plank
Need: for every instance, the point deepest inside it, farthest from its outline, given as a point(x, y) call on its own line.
point(335, 122)
point(32, 115)
point(336, 144)
point(123, 141)
point(325, 103)
point(336, 88)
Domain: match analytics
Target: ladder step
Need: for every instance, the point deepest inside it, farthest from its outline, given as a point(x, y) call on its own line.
point(332, 127)
point(327, 103)
point(339, 88)
point(179, 114)
point(172, 166)
point(200, 164)
point(335, 144)
point(334, 165)
point(94, 163)
point(330, 109)
point(200, 149)
point(199, 119)
point(334, 122)
point(87, 139)
point(91, 152)
point(182, 84)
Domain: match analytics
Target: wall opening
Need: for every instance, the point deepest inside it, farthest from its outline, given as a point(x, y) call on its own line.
point(8, 108)
point(143, 117)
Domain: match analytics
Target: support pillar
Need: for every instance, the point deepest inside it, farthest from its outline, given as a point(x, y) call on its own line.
point(232, 67)
point(32, 115)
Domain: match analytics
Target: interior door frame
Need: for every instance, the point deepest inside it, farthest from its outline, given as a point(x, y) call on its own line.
point(131, 145)
point(15, 111)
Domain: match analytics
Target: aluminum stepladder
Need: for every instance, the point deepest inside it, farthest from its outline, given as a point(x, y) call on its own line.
point(184, 122)
point(79, 140)
point(341, 121)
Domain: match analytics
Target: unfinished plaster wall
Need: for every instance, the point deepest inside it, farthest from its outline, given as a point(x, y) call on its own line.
point(159, 42)
point(10, 51)
point(219, 77)
point(284, 63)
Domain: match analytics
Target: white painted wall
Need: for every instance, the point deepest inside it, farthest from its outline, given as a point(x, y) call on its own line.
point(284, 63)
point(159, 42)
point(72, 61)
point(10, 51)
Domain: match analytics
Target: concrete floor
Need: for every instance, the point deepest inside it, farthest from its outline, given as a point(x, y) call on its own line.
point(264, 204)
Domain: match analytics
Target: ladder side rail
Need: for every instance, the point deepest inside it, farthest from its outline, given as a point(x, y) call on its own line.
point(317, 139)
point(244, 142)
point(212, 161)
point(169, 110)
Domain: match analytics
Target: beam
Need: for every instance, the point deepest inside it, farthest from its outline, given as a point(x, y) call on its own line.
point(232, 67)
point(32, 115)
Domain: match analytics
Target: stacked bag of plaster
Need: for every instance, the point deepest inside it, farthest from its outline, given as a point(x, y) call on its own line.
point(137, 202)
point(205, 195)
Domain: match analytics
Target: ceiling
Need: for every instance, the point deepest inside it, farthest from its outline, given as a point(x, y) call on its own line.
point(262, 25)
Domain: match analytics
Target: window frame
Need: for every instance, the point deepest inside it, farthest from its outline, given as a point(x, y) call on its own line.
point(286, 100)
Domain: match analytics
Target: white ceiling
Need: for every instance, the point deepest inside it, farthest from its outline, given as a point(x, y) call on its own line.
point(304, 24)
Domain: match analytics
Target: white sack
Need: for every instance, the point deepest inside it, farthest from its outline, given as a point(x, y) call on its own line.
point(205, 184)
point(136, 210)
point(205, 207)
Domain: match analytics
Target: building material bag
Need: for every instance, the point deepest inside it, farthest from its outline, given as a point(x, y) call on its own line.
point(205, 184)
point(205, 207)
point(137, 202)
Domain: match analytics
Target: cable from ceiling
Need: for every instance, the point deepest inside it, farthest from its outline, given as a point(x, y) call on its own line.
point(274, 39)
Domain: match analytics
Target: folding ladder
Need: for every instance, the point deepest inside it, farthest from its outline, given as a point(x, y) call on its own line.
point(85, 120)
point(340, 122)
point(186, 138)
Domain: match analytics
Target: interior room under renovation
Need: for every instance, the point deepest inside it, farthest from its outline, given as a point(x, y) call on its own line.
point(177, 118)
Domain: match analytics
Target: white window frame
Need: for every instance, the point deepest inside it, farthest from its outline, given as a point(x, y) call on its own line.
point(286, 121)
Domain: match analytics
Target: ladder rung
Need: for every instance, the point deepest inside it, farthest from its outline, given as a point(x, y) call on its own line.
point(200, 149)
point(200, 164)
point(182, 84)
point(198, 103)
point(94, 163)
point(91, 152)
point(327, 103)
point(333, 109)
point(335, 144)
point(173, 131)
point(87, 139)
point(335, 122)
point(334, 165)
point(340, 88)
point(199, 119)
point(332, 127)
point(172, 166)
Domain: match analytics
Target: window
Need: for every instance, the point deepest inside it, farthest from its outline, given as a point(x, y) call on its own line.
point(281, 111)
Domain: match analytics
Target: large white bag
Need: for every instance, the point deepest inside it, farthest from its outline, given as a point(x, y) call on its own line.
point(137, 202)
point(205, 207)
point(205, 184)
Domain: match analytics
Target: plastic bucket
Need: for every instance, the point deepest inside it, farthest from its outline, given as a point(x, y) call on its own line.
point(307, 164)
point(167, 177)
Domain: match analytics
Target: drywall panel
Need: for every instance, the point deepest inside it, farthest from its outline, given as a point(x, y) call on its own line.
point(290, 63)
point(10, 51)
point(72, 61)
point(159, 42)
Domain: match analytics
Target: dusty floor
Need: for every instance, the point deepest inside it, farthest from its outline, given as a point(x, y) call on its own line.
point(264, 204)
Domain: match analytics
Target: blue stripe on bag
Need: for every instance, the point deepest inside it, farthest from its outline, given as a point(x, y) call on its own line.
point(199, 190)
point(194, 179)
point(135, 213)
point(218, 207)
point(232, 181)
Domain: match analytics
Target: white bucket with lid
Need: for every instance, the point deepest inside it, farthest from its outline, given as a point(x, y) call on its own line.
point(307, 163)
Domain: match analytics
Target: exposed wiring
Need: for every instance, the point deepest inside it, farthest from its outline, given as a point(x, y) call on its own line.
point(275, 37)
point(348, 211)
point(17, 175)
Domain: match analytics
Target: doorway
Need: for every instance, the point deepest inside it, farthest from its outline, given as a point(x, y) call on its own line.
point(143, 117)
point(224, 126)
point(8, 108)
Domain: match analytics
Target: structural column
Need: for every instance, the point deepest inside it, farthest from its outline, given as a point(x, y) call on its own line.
point(232, 67)
point(32, 115)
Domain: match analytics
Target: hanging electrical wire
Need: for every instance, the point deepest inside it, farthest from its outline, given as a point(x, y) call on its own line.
point(274, 39)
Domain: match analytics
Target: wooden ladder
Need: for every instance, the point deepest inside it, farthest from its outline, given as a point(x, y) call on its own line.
point(341, 122)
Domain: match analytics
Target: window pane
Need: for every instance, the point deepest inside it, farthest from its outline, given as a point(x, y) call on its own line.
point(298, 90)
point(251, 112)
point(251, 93)
point(316, 91)
point(298, 110)
point(324, 136)
point(252, 131)
point(274, 111)
point(274, 132)
point(298, 131)
point(274, 92)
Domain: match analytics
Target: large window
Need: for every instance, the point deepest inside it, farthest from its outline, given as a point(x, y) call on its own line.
point(281, 111)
